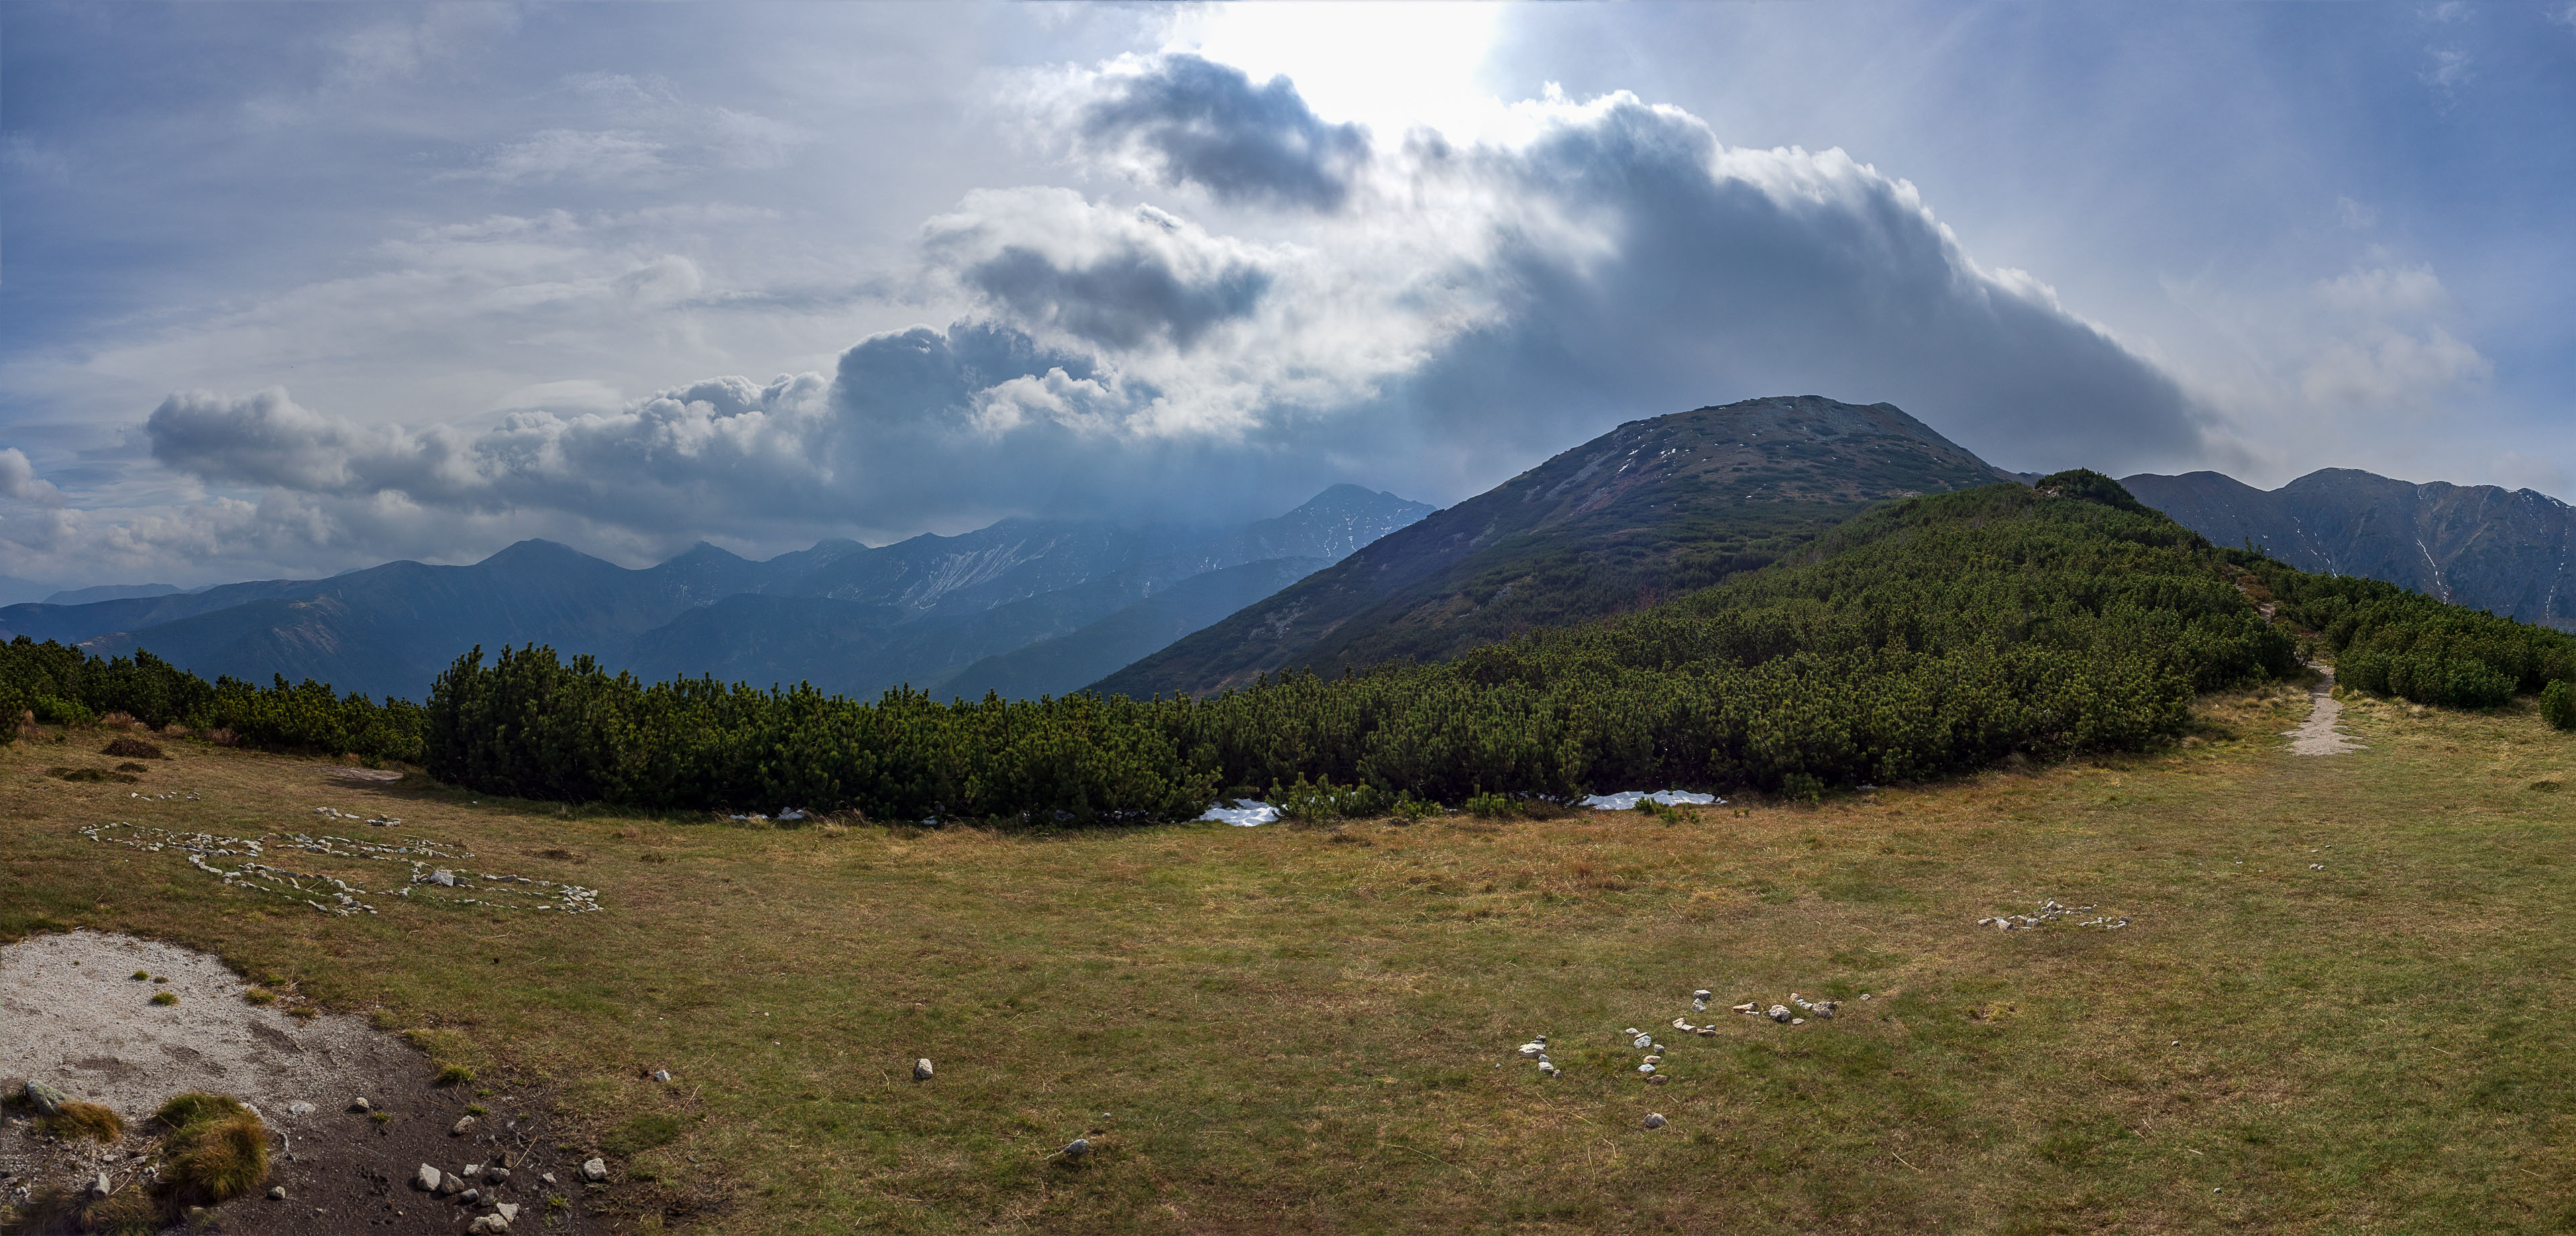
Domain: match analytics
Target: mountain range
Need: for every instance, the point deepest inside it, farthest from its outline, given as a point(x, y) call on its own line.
point(847, 617)
point(1352, 578)
point(2503, 551)
point(1651, 509)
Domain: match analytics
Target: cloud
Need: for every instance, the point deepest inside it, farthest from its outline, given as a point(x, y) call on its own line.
point(1115, 278)
point(1430, 318)
point(399, 48)
point(2386, 348)
point(2450, 68)
point(19, 482)
point(1180, 119)
point(553, 154)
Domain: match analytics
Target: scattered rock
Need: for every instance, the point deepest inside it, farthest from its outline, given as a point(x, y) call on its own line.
point(1532, 1050)
point(488, 1223)
point(443, 877)
point(1749, 1006)
point(497, 1174)
point(277, 1193)
point(1643, 1042)
point(509, 1211)
point(1797, 1021)
point(1657, 1080)
point(462, 1124)
point(427, 1179)
point(450, 1185)
point(597, 1169)
point(547, 1178)
point(300, 1108)
point(358, 1105)
point(1077, 1148)
point(102, 1186)
point(661, 1075)
point(48, 1101)
point(921, 1069)
point(1645, 1068)
point(1655, 1120)
point(471, 1196)
point(1779, 1013)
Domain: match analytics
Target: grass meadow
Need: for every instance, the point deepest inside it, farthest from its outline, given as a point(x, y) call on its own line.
point(1297, 1029)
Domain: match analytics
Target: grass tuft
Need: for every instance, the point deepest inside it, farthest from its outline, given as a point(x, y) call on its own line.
point(455, 1075)
point(259, 995)
point(165, 997)
point(90, 1120)
point(219, 1150)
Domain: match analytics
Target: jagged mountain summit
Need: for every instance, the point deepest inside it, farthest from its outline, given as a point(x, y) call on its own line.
point(1653, 508)
point(842, 615)
point(2503, 551)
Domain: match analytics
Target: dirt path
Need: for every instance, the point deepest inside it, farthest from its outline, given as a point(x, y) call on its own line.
point(2318, 736)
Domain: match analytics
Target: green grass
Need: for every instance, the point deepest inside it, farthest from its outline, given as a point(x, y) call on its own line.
point(1296, 1029)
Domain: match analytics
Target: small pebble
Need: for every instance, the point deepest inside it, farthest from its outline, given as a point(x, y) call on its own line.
point(277, 1193)
point(1655, 1120)
point(921, 1070)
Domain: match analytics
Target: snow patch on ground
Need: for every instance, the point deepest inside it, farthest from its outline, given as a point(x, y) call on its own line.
point(1245, 813)
point(1626, 800)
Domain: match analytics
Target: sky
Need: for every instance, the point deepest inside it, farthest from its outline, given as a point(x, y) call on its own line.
point(291, 289)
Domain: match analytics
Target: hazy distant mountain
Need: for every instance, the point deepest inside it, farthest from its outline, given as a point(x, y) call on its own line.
point(2504, 551)
point(1650, 509)
point(842, 615)
point(921, 611)
point(1069, 662)
point(16, 591)
point(110, 592)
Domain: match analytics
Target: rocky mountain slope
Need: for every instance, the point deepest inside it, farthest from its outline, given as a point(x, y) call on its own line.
point(2503, 551)
point(1653, 508)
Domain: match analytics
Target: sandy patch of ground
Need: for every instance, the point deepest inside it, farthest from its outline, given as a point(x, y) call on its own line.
point(71, 1014)
point(2318, 735)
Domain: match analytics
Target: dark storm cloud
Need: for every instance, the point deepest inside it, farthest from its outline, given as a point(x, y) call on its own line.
point(1123, 300)
point(1193, 121)
point(1722, 274)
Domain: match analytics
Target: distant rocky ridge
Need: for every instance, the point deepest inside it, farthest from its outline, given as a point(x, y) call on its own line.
point(2503, 551)
point(844, 616)
point(1651, 509)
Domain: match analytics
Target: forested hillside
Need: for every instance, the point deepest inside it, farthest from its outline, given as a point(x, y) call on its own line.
point(1649, 511)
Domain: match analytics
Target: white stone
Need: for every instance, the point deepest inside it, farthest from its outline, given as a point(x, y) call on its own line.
point(594, 1169)
point(921, 1070)
point(427, 1179)
point(1655, 1120)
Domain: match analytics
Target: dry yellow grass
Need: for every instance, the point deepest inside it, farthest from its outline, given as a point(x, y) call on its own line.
point(1282, 1030)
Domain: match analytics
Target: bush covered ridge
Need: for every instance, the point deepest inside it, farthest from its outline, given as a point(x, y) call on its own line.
point(1932, 637)
point(2389, 641)
point(64, 686)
